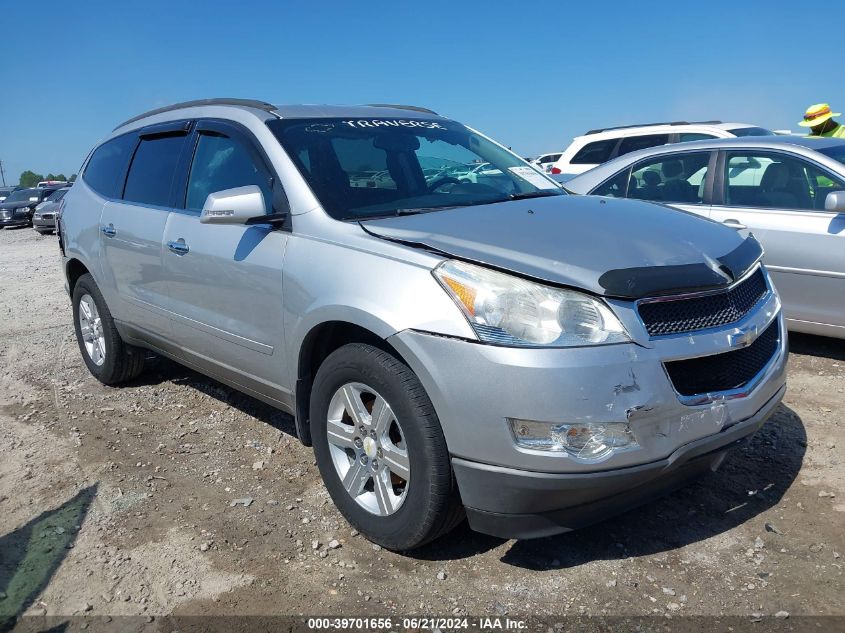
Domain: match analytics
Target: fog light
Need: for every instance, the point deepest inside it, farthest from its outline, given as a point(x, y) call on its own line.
point(584, 441)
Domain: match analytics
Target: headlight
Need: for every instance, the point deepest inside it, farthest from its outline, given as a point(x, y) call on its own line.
point(508, 310)
point(22, 210)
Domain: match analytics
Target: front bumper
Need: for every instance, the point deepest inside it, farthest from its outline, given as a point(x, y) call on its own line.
point(477, 388)
point(15, 221)
point(44, 223)
point(512, 503)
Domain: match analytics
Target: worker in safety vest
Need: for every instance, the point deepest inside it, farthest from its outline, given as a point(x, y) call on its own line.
point(819, 119)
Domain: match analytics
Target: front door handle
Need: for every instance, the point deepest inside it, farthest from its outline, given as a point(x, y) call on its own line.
point(109, 231)
point(734, 224)
point(179, 247)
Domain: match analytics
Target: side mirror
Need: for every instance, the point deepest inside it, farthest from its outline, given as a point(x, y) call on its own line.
point(835, 201)
point(233, 206)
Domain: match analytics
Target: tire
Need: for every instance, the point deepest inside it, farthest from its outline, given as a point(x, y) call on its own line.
point(406, 515)
point(108, 358)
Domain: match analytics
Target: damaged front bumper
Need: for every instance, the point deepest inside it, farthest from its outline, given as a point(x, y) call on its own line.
point(513, 503)
point(514, 491)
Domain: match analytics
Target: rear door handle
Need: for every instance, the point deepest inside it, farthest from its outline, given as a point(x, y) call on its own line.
point(734, 224)
point(109, 231)
point(179, 247)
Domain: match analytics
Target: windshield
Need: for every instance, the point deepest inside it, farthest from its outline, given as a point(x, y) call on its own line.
point(23, 195)
point(366, 168)
point(837, 153)
point(751, 131)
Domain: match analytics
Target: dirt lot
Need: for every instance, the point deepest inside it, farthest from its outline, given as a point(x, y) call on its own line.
point(120, 501)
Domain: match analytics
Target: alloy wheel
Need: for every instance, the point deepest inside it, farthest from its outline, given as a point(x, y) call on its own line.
point(368, 448)
point(91, 329)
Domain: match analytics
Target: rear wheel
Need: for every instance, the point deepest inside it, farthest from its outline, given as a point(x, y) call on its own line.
point(380, 448)
point(107, 357)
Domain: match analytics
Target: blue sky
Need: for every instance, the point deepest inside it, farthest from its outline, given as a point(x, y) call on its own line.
point(532, 75)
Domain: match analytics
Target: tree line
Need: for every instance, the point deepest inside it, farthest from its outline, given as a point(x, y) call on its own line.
point(30, 179)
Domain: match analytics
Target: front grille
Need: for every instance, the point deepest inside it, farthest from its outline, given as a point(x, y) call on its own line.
point(721, 372)
point(699, 313)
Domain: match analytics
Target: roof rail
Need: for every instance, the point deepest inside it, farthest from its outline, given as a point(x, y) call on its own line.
point(401, 107)
point(248, 103)
point(625, 127)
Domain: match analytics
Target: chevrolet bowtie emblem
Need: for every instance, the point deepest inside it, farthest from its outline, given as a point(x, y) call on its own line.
point(743, 338)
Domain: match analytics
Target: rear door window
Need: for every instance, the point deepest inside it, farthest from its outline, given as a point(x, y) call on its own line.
point(151, 173)
point(678, 178)
point(107, 166)
point(633, 143)
point(222, 163)
point(595, 153)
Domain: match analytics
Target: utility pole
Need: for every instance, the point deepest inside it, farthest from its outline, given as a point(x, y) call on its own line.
point(2, 173)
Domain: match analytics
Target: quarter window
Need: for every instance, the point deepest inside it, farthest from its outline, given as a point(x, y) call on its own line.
point(594, 153)
point(616, 187)
point(685, 137)
point(633, 143)
point(151, 173)
point(222, 163)
point(677, 178)
point(107, 166)
point(776, 181)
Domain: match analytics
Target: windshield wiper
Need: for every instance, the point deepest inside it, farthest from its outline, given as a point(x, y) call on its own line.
point(531, 194)
point(397, 212)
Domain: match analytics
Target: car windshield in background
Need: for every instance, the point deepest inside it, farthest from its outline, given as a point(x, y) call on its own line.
point(751, 131)
point(23, 195)
point(366, 168)
point(837, 153)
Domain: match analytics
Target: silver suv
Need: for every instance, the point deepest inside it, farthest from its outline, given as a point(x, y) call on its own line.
point(494, 348)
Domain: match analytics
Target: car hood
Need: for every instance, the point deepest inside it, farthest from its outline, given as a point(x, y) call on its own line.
point(616, 248)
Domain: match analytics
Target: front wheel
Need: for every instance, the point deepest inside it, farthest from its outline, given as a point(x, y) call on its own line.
point(380, 448)
point(107, 357)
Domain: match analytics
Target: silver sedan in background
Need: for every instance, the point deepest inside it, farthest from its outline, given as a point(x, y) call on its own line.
point(788, 191)
point(44, 218)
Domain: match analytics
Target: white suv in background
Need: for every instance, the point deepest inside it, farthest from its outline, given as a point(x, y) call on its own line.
point(546, 161)
point(599, 146)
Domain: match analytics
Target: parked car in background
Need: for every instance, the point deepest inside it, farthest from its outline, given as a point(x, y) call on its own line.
point(44, 216)
point(480, 170)
point(788, 190)
point(17, 209)
point(546, 161)
point(5, 191)
point(497, 348)
point(52, 184)
point(601, 145)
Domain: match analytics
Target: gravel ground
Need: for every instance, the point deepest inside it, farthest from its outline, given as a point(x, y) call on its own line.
point(123, 501)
